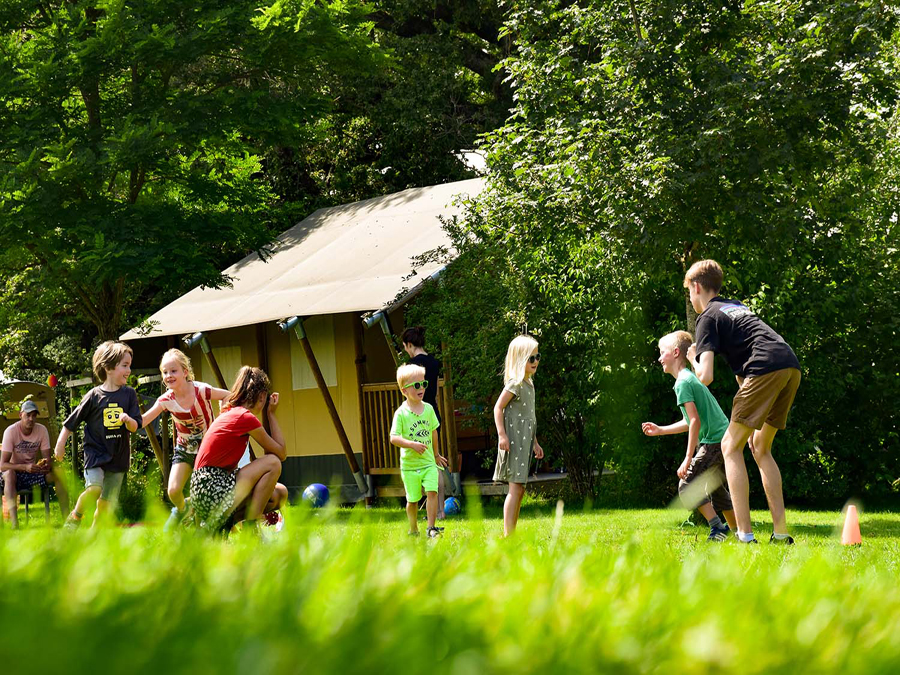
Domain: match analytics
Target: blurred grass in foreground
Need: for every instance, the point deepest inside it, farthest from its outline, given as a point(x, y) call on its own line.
point(347, 591)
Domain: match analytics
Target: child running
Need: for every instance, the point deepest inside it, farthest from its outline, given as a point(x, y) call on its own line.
point(109, 412)
point(414, 431)
point(189, 402)
point(705, 423)
point(218, 488)
point(516, 420)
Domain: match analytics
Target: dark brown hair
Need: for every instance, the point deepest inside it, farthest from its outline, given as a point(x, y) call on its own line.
point(707, 273)
point(414, 336)
point(248, 385)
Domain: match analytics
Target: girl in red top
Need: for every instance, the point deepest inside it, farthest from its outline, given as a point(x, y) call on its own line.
point(218, 488)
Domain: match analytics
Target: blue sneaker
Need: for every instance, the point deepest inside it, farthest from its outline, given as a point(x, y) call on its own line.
point(718, 534)
point(174, 520)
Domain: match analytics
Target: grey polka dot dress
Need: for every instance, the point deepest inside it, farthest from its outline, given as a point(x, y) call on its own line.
point(520, 421)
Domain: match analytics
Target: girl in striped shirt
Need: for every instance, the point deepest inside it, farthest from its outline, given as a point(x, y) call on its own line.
point(190, 404)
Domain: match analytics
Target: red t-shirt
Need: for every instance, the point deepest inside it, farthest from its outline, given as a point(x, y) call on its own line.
point(225, 441)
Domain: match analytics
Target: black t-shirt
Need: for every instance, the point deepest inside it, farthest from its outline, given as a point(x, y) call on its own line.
point(106, 439)
point(432, 371)
point(748, 343)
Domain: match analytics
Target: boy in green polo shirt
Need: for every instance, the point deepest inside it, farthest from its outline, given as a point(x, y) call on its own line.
point(702, 473)
point(414, 431)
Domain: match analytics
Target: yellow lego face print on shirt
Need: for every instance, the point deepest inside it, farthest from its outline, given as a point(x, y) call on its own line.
point(112, 416)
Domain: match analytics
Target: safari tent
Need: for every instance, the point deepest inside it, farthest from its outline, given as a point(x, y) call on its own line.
point(318, 314)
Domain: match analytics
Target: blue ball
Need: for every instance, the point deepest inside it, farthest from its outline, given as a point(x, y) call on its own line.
point(452, 507)
point(316, 495)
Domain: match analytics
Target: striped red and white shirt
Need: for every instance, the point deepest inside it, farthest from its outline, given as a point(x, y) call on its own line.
point(193, 421)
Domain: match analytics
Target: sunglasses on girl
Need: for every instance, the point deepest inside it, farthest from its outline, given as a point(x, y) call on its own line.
point(418, 385)
point(534, 358)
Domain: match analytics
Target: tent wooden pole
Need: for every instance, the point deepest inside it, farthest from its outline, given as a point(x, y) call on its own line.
point(450, 420)
point(382, 320)
point(362, 378)
point(297, 324)
point(262, 358)
point(157, 449)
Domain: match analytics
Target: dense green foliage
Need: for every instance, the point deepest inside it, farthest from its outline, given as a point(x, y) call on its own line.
point(648, 136)
point(602, 591)
point(147, 145)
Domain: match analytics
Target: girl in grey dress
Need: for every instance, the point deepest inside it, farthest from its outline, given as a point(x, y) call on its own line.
point(514, 415)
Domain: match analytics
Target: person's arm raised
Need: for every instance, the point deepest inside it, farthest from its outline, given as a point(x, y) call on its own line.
point(272, 443)
point(154, 412)
point(651, 429)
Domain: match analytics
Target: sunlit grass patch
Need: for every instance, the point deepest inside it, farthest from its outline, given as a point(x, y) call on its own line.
point(348, 591)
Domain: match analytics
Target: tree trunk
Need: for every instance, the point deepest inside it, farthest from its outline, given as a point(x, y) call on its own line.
point(686, 262)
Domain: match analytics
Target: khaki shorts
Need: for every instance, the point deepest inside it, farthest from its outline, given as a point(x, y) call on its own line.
point(766, 399)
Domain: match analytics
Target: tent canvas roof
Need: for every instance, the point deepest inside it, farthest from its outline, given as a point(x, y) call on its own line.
point(350, 258)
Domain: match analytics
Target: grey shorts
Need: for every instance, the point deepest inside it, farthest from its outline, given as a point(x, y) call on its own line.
point(109, 482)
point(706, 476)
point(183, 455)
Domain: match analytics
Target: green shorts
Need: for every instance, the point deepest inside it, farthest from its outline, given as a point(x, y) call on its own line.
point(417, 480)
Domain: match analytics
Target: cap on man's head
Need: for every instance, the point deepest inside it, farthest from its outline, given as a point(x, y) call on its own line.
point(28, 407)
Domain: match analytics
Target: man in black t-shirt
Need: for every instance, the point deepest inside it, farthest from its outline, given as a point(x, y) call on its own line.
point(768, 375)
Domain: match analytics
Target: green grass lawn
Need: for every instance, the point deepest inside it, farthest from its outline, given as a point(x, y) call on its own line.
point(347, 591)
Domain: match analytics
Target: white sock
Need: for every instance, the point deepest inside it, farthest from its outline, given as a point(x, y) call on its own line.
point(745, 536)
point(781, 536)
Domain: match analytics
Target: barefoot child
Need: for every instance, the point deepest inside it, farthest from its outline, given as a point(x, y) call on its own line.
point(516, 420)
point(705, 423)
point(218, 488)
point(189, 402)
point(109, 413)
point(414, 431)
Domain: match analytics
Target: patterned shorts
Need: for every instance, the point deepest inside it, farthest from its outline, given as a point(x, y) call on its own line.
point(26, 480)
point(212, 496)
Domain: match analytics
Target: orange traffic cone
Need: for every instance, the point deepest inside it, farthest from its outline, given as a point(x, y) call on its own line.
point(851, 536)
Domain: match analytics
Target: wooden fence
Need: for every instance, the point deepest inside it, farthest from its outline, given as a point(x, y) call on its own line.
point(380, 400)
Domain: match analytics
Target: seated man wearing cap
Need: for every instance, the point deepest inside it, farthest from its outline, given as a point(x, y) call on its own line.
point(20, 466)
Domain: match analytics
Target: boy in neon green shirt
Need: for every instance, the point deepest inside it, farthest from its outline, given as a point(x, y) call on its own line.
point(702, 473)
point(414, 431)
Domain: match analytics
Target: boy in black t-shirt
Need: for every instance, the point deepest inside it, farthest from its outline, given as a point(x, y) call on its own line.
point(109, 412)
point(768, 375)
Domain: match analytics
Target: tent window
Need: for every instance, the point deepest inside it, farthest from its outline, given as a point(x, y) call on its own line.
point(320, 331)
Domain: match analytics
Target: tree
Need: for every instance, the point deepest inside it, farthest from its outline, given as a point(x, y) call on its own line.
point(404, 124)
point(130, 138)
point(648, 135)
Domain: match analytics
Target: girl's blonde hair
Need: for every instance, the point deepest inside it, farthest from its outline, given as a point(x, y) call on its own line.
point(248, 385)
point(516, 358)
point(107, 356)
point(183, 360)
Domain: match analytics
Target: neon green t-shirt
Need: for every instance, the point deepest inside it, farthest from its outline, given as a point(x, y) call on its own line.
point(414, 427)
point(713, 422)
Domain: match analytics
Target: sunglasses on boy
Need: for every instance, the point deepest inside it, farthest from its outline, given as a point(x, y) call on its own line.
point(534, 358)
point(418, 385)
